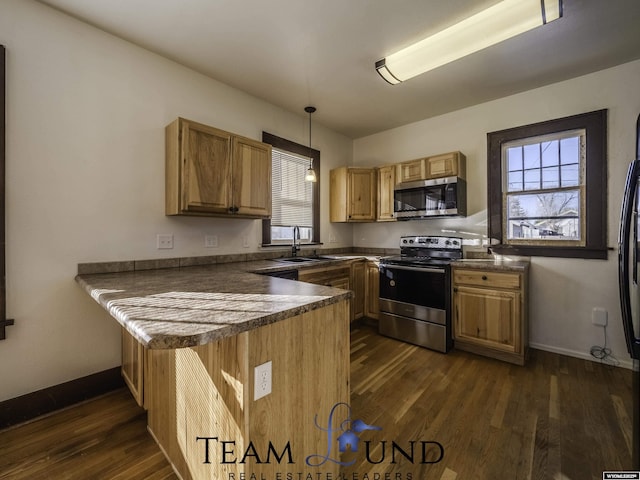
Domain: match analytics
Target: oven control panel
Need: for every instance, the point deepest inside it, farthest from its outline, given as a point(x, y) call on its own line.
point(453, 243)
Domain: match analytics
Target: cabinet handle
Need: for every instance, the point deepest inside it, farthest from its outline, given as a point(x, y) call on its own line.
point(484, 277)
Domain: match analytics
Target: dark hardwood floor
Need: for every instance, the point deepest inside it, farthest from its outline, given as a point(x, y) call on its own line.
point(557, 418)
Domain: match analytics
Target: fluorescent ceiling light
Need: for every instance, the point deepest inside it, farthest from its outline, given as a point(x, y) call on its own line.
point(503, 20)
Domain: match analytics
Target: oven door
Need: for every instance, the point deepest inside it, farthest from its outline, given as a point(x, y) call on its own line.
point(421, 292)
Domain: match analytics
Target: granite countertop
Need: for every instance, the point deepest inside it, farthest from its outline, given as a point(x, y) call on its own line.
point(195, 305)
point(494, 264)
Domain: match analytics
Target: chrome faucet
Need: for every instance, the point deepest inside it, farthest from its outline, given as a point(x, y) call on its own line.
point(295, 248)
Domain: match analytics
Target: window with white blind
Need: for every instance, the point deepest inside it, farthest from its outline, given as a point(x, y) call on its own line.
point(291, 197)
point(294, 201)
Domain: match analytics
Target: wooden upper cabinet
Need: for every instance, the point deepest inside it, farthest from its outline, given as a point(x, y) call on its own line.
point(451, 164)
point(411, 171)
point(446, 165)
point(213, 172)
point(352, 194)
point(252, 177)
point(386, 183)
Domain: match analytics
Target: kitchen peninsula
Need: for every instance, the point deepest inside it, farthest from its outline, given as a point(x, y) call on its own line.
point(203, 330)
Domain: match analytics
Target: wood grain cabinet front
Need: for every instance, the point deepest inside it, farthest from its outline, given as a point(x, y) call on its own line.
point(411, 171)
point(215, 173)
point(372, 289)
point(446, 165)
point(358, 271)
point(386, 184)
point(352, 195)
point(490, 313)
point(133, 366)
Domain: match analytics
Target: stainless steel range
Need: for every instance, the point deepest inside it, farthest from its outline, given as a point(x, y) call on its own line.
point(415, 291)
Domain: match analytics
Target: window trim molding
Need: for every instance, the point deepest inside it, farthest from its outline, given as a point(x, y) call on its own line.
point(289, 146)
point(4, 321)
point(595, 124)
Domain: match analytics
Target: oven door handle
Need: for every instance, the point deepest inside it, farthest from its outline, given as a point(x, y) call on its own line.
point(413, 269)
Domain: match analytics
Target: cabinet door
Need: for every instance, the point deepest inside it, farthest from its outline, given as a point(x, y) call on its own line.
point(251, 170)
point(358, 286)
point(488, 317)
point(446, 165)
point(337, 276)
point(133, 355)
point(411, 171)
point(372, 291)
point(206, 161)
point(386, 182)
point(361, 197)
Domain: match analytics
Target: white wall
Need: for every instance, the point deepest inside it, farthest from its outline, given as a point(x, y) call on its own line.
point(563, 292)
point(85, 180)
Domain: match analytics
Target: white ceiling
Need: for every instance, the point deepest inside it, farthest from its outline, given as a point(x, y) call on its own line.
point(294, 53)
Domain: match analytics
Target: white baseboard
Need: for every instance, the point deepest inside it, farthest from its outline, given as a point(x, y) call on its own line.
point(624, 362)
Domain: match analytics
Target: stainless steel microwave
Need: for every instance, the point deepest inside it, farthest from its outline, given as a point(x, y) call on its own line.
point(440, 197)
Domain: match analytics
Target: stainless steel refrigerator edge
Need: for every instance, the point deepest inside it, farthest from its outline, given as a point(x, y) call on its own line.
point(628, 258)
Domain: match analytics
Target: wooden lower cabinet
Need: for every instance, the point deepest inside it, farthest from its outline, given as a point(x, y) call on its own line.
point(337, 276)
point(207, 392)
point(372, 291)
point(490, 313)
point(133, 366)
point(358, 270)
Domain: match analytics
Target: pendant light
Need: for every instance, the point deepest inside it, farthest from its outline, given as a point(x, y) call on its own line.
point(311, 174)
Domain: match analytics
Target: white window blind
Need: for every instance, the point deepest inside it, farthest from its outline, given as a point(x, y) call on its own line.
point(292, 196)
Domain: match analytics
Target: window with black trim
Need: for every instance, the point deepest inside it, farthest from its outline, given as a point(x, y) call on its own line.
point(295, 202)
point(547, 188)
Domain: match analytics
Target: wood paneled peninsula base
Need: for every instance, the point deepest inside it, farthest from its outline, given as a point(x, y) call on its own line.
point(200, 332)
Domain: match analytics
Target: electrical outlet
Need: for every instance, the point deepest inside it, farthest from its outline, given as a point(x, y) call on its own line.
point(211, 241)
point(599, 317)
point(164, 240)
point(262, 380)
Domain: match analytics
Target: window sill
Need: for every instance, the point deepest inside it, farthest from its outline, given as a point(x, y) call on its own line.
point(552, 251)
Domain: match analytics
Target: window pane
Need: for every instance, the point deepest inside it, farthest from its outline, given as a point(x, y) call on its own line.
point(544, 215)
point(550, 177)
point(532, 156)
point(550, 153)
point(532, 179)
point(515, 181)
point(285, 234)
point(514, 158)
point(570, 175)
point(570, 150)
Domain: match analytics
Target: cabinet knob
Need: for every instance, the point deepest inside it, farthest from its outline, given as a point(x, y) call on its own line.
point(484, 277)
point(455, 289)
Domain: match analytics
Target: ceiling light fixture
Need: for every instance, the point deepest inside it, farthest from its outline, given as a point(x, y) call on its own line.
point(500, 22)
point(311, 174)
